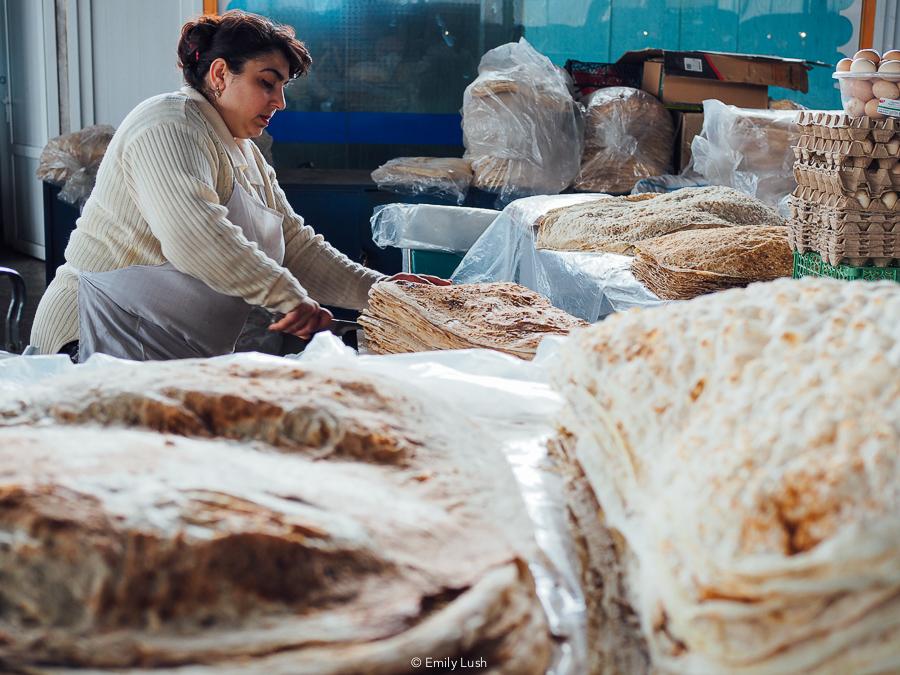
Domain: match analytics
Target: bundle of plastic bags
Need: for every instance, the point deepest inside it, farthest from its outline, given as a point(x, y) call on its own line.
point(71, 161)
point(521, 127)
point(628, 136)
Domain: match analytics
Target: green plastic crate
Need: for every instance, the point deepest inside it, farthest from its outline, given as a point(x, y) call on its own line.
point(811, 265)
point(439, 263)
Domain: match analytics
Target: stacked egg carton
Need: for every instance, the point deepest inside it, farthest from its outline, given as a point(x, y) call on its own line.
point(845, 207)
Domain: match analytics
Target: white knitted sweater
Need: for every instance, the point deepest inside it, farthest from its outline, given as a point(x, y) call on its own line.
point(159, 197)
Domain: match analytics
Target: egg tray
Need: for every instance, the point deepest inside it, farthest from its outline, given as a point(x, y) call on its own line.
point(864, 148)
point(842, 127)
point(813, 198)
point(847, 180)
point(844, 236)
point(890, 164)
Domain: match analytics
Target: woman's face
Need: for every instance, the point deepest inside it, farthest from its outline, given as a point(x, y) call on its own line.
point(249, 99)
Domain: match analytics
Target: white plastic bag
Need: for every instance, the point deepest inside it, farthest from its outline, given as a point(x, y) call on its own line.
point(747, 149)
point(444, 177)
point(587, 285)
point(521, 127)
point(71, 161)
point(429, 227)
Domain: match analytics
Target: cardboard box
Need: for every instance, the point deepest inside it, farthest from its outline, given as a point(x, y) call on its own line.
point(688, 125)
point(686, 79)
point(589, 76)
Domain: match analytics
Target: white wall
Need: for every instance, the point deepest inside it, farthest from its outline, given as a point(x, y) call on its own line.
point(31, 118)
point(129, 54)
point(887, 26)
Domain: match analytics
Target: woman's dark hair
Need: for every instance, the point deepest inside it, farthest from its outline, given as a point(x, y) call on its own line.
point(236, 36)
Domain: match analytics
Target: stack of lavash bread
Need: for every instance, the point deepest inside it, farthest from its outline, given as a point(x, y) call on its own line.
point(684, 243)
point(255, 515)
point(734, 464)
point(406, 317)
point(521, 127)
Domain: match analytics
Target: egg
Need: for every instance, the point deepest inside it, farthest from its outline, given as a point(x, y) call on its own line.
point(863, 66)
point(863, 198)
point(872, 109)
point(896, 168)
point(892, 55)
point(870, 54)
point(843, 65)
point(889, 67)
point(854, 107)
point(861, 89)
point(889, 199)
point(885, 89)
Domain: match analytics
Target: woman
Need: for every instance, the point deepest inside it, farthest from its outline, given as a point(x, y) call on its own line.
point(187, 228)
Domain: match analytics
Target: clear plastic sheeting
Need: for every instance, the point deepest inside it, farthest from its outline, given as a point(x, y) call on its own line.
point(628, 136)
point(429, 227)
point(442, 177)
point(522, 129)
point(71, 161)
point(747, 149)
point(499, 395)
point(587, 285)
point(669, 183)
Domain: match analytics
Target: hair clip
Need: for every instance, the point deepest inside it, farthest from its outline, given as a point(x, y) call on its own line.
point(196, 55)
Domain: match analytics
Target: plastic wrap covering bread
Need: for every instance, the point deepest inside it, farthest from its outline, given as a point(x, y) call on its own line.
point(587, 285)
point(742, 449)
point(628, 135)
point(405, 317)
point(257, 515)
point(429, 227)
point(747, 149)
point(616, 224)
point(71, 161)
point(521, 127)
point(443, 177)
point(683, 265)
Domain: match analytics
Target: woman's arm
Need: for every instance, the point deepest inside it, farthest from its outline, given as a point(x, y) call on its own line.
point(329, 276)
point(171, 171)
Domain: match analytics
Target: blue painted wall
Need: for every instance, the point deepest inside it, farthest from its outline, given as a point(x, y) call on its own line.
point(447, 35)
point(601, 30)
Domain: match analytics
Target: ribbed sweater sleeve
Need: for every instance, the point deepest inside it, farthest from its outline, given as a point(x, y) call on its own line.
point(329, 276)
point(171, 169)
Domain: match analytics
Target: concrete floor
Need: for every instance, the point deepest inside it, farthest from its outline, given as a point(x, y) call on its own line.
point(32, 271)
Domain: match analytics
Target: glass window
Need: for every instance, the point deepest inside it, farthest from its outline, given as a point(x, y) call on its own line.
point(388, 75)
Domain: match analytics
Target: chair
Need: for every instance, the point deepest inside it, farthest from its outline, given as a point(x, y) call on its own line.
point(14, 313)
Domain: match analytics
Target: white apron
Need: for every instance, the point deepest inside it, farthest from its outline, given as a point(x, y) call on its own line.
point(156, 313)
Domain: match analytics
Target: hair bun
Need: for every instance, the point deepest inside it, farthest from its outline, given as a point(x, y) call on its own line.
point(196, 38)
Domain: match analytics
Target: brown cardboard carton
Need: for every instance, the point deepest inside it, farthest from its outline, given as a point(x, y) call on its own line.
point(688, 78)
point(689, 124)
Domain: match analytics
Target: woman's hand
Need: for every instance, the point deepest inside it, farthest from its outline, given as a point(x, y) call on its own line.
point(420, 279)
point(304, 320)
